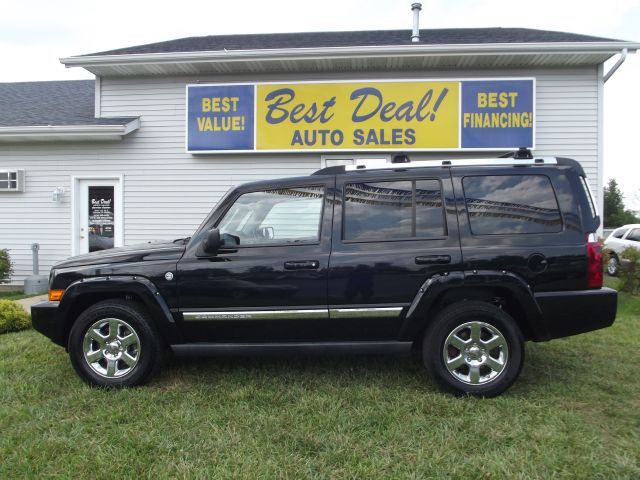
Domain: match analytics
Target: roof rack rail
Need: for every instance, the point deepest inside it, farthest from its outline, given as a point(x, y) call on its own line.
point(496, 162)
point(522, 157)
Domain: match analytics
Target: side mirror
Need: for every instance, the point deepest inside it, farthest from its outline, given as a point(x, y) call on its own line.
point(212, 243)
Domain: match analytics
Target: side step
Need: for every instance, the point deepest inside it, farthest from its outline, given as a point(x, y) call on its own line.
point(288, 348)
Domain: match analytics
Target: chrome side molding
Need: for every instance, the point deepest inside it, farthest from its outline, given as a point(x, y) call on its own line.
point(377, 312)
point(306, 314)
point(257, 315)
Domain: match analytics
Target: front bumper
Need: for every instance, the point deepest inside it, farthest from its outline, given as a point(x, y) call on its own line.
point(573, 312)
point(45, 319)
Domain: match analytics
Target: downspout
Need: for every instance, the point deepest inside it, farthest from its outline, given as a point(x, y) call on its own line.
point(623, 57)
point(600, 177)
point(98, 97)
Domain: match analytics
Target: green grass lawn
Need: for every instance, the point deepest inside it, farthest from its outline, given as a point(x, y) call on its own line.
point(14, 295)
point(574, 413)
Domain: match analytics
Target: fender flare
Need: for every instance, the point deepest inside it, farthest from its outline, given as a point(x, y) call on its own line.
point(432, 289)
point(141, 287)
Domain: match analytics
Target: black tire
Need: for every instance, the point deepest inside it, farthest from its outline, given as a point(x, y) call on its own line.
point(111, 368)
point(500, 346)
point(613, 265)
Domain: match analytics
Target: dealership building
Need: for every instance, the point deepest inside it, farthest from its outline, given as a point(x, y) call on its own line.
point(144, 151)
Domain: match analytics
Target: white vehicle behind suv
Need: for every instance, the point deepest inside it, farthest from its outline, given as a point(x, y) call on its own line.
point(621, 238)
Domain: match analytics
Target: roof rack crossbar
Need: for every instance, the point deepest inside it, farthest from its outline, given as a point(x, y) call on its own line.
point(521, 154)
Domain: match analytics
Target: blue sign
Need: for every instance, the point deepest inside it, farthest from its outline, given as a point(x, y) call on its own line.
point(497, 113)
point(220, 117)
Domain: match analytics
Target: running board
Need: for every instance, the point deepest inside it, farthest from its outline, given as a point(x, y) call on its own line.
point(311, 348)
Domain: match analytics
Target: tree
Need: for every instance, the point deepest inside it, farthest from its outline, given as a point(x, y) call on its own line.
point(614, 212)
point(6, 267)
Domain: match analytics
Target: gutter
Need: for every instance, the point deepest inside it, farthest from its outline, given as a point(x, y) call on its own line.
point(345, 52)
point(609, 74)
point(61, 132)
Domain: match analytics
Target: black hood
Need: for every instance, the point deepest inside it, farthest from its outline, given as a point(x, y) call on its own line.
point(160, 250)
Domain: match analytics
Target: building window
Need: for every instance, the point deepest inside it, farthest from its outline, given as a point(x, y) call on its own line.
point(12, 180)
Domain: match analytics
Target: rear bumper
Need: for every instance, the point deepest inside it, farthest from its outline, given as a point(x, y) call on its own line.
point(574, 312)
point(45, 319)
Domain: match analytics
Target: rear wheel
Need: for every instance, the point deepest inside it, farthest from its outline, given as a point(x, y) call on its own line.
point(115, 344)
point(473, 348)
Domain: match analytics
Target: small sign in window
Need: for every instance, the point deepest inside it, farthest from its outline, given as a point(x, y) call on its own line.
point(101, 218)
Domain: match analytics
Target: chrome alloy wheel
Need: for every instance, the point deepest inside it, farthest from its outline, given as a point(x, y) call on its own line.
point(475, 353)
point(612, 266)
point(111, 347)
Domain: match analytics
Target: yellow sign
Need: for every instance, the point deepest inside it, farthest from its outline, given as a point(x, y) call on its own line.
point(395, 115)
point(359, 115)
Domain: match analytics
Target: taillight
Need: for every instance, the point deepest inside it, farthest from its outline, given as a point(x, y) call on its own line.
point(594, 262)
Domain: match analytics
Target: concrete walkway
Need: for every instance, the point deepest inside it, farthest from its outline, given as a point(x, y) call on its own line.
point(27, 302)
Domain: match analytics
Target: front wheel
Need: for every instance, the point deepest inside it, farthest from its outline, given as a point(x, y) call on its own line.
point(114, 344)
point(613, 265)
point(473, 348)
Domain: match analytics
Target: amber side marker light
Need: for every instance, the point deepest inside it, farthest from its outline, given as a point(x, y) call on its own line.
point(55, 295)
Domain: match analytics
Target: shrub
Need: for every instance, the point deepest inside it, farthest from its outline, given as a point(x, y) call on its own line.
point(630, 273)
point(13, 317)
point(6, 267)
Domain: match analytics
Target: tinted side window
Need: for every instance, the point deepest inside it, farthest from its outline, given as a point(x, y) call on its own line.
point(429, 209)
point(511, 204)
point(634, 235)
point(393, 210)
point(587, 192)
point(279, 216)
point(619, 233)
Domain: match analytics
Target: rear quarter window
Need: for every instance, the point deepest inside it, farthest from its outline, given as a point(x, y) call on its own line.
point(511, 204)
point(587, 192)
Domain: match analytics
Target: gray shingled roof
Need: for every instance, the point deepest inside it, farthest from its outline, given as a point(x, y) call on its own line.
point(62, 103)
point(443, 36)
point(67, 103)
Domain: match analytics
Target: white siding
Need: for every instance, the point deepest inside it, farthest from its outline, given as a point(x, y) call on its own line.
point(167, 191)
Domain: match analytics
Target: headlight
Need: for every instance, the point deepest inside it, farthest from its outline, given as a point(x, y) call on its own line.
point(55, 295)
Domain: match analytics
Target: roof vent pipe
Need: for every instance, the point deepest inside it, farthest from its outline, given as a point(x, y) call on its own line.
point(415, 8)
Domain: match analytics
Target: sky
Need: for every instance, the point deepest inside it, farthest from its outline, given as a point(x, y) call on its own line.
point(35, 34)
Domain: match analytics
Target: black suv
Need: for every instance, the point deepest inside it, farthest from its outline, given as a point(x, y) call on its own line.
point(463, 260)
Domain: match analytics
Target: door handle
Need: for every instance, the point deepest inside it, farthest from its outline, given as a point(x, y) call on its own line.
point(302, 265)
point(433, 260)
